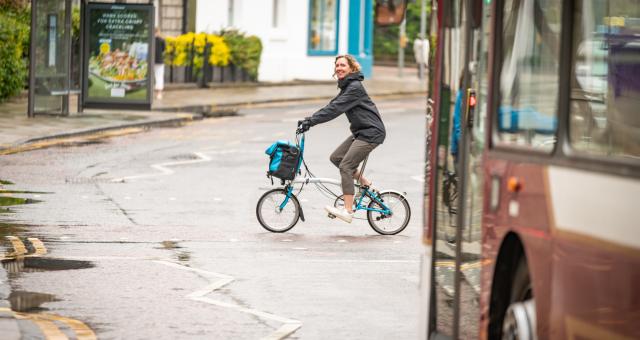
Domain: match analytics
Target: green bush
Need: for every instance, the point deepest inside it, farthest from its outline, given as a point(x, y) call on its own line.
point(245, 51)
point(14, 37)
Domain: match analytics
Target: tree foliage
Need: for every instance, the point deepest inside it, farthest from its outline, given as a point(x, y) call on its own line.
point(14, 42)
point(385, 38)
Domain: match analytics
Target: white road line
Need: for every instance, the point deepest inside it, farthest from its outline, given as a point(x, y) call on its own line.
point(288, 325)
point(163, 168)
point(419, 178)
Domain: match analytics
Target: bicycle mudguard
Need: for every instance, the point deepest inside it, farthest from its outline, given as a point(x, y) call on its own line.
point(402, 194)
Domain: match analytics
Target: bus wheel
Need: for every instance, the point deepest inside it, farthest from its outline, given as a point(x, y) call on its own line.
point(520, 321)
point(520, 318)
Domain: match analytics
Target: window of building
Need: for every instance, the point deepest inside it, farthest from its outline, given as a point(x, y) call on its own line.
point(323, 27)
point(527, 114)
point(605, 79)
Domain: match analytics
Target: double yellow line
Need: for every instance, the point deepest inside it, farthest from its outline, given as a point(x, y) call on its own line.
point(46, 322)
point(20, 250)
point(51, 331)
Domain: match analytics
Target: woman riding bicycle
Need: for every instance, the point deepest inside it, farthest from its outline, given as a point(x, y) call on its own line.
point(367, 129)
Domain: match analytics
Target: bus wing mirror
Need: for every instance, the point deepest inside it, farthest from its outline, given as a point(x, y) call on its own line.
point(390, 12)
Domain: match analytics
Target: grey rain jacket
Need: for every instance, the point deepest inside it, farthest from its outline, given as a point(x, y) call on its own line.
point(366, 123)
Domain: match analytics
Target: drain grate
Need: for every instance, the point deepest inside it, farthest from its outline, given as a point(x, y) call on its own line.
point(88, 180)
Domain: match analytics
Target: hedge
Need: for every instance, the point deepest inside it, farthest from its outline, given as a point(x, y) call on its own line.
point(228, 47)
point(14, 37)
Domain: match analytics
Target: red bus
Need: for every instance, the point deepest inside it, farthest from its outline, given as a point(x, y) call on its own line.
point(532, 218)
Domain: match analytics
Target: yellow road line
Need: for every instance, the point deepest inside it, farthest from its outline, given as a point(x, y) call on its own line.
point(51, 332)
point(83, 332)
point(464, 266)
point(38, 245)
point(18, 246)
point(48, 328)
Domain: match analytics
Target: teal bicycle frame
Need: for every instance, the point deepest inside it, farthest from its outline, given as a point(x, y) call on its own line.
point(359, 206)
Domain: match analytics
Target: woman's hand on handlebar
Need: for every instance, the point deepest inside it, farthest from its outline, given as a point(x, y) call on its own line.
point(303, 126)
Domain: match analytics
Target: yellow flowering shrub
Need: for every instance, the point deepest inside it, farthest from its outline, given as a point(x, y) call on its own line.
point(179, 50)
point(220, 52)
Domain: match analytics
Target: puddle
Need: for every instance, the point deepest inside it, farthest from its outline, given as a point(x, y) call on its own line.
point(28, 301)
point(185, 157)
point(4, 191)
point(181, 255)
point(7, 229)
point(9, 201)
point(170, 245)
point(41, 264)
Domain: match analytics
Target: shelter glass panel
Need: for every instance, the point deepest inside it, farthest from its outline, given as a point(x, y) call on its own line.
point(51, 56)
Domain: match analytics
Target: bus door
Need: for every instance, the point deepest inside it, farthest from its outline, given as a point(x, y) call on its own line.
point(455, 207)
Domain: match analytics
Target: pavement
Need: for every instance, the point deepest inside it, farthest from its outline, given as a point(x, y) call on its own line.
point(181, 103)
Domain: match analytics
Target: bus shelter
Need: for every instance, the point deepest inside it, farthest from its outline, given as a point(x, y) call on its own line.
point(52, 75)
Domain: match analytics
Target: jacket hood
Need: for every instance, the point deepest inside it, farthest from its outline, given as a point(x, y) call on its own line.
point(349, 78)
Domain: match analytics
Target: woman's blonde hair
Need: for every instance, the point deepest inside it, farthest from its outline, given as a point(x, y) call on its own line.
point(353, 63)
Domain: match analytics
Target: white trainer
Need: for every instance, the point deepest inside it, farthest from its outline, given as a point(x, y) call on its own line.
point(340, 213)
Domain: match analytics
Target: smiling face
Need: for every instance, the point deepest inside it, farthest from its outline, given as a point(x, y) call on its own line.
point(342, 68)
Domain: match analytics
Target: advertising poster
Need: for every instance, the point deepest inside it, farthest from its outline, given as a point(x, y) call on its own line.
point(118, 43)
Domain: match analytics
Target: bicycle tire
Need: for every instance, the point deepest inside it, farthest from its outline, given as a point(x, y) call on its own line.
point(398, 209)
point(269, 203)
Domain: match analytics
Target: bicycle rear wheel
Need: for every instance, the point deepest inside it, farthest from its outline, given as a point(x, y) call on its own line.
point(271, 217)
point(389, 224)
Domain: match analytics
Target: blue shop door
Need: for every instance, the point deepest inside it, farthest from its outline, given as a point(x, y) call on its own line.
point(361, 34)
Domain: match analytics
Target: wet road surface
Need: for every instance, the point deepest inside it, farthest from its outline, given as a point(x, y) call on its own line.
point(154, 235)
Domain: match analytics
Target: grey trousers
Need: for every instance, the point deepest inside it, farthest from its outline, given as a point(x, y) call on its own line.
point(347, 157)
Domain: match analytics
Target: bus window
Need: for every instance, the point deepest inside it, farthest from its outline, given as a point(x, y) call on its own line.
point(527, 115)
point(605, 81)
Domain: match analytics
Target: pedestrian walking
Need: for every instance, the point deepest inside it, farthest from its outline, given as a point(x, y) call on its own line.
point(367, 129)
point(158, 66)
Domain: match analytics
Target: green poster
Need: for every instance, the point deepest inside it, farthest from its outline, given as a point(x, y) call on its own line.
point(118, 48)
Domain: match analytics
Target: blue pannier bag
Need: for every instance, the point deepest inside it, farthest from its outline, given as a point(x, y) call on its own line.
point(285, 159)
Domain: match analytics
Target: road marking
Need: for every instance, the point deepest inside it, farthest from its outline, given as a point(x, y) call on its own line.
point(82, 331)
point(38, 245)
point(419, 178)
point(164, 169)
point(288, 325)
point(18, 247)
point(50, 330)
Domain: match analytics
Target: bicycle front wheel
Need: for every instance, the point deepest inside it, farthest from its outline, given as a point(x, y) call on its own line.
point(396, 221)
point(271, 217)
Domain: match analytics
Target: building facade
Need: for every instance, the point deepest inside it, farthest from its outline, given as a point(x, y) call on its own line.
point(300, 38)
